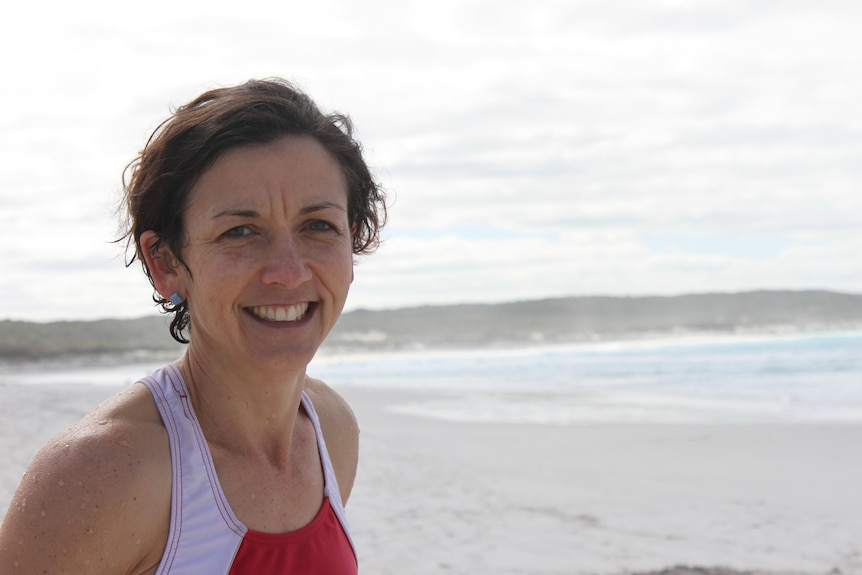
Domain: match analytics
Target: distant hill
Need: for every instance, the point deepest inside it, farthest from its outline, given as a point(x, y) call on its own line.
point(575, 319)
point(26, 340)
point(457, 326)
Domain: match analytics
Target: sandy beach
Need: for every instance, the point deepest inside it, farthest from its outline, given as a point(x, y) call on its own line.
point(444, 497)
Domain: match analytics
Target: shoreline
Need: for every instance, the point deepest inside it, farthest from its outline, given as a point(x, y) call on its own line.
point(452, 497)
point(330, 352)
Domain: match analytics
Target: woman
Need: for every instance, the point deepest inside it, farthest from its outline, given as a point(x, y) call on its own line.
point(246, 208)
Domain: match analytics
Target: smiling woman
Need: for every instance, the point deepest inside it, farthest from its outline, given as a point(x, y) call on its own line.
point(266, 236)
point(160, 181)
point(246, 208)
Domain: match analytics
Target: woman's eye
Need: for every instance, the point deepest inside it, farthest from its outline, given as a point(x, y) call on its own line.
point(238, 232)
point(320, 226)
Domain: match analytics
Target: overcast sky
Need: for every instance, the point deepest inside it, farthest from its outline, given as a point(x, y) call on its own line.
point(532, 149)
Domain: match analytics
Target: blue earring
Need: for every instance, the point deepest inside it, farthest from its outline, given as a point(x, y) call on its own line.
point(176, 299)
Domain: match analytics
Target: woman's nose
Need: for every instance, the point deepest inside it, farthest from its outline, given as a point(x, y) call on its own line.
point(286, 264)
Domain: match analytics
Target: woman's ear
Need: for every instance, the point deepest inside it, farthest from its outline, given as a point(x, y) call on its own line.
point(163, 265)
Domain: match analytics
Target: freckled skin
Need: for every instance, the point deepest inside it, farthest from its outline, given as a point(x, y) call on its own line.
point(267, 226)
point(72, 525)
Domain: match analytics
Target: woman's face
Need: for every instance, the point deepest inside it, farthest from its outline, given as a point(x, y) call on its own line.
point(269, 253)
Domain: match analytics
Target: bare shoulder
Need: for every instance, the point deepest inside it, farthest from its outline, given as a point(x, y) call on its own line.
point(340, 430)
point(96, 498)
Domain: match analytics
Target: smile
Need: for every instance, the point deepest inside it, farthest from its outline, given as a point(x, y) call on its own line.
point(281, 313)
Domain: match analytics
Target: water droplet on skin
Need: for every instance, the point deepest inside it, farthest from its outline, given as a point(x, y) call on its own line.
point(103, 422)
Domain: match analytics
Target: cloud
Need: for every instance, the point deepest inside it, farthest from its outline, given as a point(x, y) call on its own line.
point(532, 149)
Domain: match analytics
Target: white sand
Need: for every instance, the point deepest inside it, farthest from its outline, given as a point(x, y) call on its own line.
point(452, 498)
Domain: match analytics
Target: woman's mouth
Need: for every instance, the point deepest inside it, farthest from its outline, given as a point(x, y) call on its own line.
point(280, 313)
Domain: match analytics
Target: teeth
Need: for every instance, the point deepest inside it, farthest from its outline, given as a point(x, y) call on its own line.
point(279, 313)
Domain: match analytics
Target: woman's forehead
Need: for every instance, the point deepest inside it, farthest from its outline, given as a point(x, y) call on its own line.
point(290, 170)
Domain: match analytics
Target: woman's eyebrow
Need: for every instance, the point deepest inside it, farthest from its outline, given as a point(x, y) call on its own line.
point(248, 213)
point(237, 213)
point(321, 206)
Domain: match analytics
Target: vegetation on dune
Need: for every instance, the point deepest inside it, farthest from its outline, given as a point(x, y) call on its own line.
point(557, 320)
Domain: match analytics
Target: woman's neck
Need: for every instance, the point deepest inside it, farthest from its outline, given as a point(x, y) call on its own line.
point(249, 409)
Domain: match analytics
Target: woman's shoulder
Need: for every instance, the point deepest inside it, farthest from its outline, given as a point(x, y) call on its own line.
point(327, 402)
point(100, 489)
point(124, 433)
point(340, 431)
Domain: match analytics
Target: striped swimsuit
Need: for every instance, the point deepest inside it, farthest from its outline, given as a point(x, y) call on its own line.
point(206, 537)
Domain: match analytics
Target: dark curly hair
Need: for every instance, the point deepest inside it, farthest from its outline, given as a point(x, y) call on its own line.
point(157, 182)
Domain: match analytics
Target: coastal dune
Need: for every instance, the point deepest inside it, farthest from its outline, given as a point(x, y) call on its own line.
point(447, 497)
point(513, 324)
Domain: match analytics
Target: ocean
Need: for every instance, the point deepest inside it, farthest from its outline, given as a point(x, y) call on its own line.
point(801, 378)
